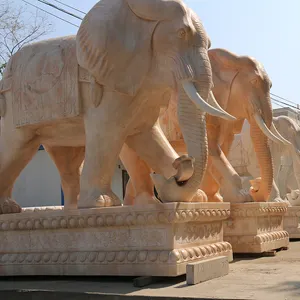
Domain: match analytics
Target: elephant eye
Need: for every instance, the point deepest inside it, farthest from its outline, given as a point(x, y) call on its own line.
point(181, 33)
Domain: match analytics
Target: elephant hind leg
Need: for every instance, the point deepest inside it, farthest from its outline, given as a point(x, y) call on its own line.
point(130, 193)
point(68, 161)
point(16, 151)
point(140, 188)
point(210, 186)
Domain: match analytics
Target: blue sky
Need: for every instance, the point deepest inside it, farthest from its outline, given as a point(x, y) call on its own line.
point(268, 30)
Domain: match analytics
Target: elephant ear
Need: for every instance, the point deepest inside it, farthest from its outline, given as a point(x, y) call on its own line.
point(114, 45)
point(225, 66)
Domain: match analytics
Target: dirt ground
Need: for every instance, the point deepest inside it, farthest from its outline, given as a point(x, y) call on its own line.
point(267, 278)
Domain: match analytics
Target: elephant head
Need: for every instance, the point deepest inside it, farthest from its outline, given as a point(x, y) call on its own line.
point(125, 44)
point(290, 130)
point(242, 88)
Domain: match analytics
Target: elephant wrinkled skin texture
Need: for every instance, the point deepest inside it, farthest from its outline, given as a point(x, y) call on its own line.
point(242, 88)
point(85, 97)
point(286, 158)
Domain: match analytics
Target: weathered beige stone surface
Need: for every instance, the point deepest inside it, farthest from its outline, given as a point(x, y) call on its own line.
point(291, 222)
point(154, 240)
point(206, 270)
point(256, 227)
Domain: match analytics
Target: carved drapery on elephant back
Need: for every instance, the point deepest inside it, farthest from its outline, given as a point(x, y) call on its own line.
point(53, 74)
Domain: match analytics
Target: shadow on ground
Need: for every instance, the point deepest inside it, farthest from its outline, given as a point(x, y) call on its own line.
point(290, 287)
point(94, 284)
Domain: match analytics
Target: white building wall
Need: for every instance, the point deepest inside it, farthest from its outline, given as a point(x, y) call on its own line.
point(39, 183)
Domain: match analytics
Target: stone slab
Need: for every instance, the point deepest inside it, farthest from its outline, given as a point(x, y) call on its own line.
point(153, 240)
point(206, 270)
point(256, 227)
point(291, 222)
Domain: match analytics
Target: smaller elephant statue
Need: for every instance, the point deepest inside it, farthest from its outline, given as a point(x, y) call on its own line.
point(286, 160)
point(241, 88)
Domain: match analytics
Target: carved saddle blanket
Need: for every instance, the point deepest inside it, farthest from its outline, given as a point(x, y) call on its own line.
point(44, 82)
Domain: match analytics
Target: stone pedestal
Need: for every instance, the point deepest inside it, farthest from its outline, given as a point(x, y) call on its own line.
point(256, 227)
point(153, 240)
point(291, 222)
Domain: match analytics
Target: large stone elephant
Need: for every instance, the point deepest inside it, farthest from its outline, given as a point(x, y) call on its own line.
point(84, 97)
point(286, 159)
point(242, 88)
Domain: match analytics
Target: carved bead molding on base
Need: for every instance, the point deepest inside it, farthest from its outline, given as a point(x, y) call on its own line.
point(256, 227)
point(153, 240)
point(47, 218)
point(124, 257)
point(291, 222)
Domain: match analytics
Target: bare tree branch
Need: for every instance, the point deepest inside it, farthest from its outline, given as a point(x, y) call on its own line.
point(18, 27)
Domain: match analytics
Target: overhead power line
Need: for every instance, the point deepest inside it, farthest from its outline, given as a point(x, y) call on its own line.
point(69, 6)
point(60, 9)
point(50, 13)
point(283, 98)
point(286, 104)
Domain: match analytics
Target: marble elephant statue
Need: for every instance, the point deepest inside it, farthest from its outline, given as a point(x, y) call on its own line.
point(286, 160)
point(242, 88)
point(85, 96)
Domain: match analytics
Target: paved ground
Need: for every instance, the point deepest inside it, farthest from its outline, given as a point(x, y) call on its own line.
point(267, 278)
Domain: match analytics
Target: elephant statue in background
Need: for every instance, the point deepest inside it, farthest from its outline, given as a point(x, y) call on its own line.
point(242, 88)
point(288, 172)
point(286, 159)
point(83, 97)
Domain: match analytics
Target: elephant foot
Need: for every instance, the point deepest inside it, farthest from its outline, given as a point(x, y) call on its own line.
point(294, 198)
point(200, 197)
point(100, 198)
point(238, 196)
point(279, 200)
point(9, 206)
point(215, 198)
point(255, 186)
point(145, 198)
point(128, 200)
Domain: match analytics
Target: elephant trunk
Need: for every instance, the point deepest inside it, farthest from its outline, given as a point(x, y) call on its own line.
point(193, 126)
point(193, 103)
point(263, 153)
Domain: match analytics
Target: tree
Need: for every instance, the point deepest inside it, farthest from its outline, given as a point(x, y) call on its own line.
point(18, 27)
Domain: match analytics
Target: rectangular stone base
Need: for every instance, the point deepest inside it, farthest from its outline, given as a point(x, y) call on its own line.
point(256, 227)
point(153, 240)
point(291, 222)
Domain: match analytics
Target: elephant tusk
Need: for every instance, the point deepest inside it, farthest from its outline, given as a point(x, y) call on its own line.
point(263, 127)
point(192, 93)
point(214, 103)
point(276, 133)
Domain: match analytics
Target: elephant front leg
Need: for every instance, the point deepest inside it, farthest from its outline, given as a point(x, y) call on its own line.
point(68, 161)
point(106, 131)
point(153, 147)
point(223, 172)
point(140, 188)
